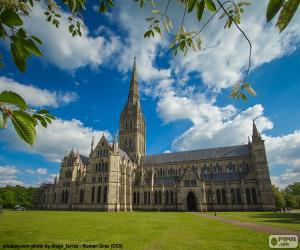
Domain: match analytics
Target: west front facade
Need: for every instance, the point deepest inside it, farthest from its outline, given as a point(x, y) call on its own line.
point(119, 176)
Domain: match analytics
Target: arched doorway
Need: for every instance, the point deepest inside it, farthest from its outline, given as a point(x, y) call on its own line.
point(191, 202)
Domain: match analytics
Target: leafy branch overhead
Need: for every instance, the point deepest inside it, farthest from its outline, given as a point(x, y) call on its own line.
point(24, 120)
point(23, 46)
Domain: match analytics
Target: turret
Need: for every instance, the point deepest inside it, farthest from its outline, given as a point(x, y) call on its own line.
point(261, 170)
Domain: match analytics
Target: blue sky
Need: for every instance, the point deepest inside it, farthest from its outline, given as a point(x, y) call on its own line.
point(84, 82)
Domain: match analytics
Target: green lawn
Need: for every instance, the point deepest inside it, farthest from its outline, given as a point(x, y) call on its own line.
point(135, 230)
point(284, 220)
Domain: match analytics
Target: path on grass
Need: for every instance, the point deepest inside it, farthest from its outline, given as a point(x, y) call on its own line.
point(252, 226)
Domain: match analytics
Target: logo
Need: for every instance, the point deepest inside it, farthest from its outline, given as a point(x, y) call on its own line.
point(283, 241)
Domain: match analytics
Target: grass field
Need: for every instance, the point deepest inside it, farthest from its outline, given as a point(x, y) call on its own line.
point(283, 220)
point(135, 230)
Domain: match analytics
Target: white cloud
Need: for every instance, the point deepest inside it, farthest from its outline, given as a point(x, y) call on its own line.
point(8, 176)
point(225, 51)
point(42, 171)
point(65, 51)
point(8, 170)
point(12, 182)
point(134, 44)
point(35, 96)
point(53, 141)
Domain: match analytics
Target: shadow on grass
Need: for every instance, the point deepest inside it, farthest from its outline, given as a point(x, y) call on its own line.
point(284, 218)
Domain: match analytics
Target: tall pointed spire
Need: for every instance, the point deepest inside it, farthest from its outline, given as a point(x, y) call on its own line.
point(133, 96)
point(255, 134)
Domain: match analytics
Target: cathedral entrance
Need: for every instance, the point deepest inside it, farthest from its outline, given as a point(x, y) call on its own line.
point(191, 202)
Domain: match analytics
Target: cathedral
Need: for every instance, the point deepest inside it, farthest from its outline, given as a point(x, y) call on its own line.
point(119, 176)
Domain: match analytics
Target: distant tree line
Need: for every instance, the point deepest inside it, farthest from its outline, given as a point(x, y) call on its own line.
point(288, 197)
point(18, 195)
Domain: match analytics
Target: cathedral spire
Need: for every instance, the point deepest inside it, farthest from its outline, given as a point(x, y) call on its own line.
point(255, 134)
point(133, 96)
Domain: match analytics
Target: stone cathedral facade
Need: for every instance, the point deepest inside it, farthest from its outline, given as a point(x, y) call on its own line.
point(121, 177)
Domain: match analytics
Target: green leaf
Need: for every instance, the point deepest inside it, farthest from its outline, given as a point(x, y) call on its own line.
point(37, 39)
point(191, 5)
point(165, 24)
point(10, 18)
point(210, 5)
point(18, 57)
point(51, 117)
point(243, 96)
point(24, 125)
point(155, 11)
point(1, 121)
point(286, 14)
point(72, 5)
point(13, 98)
point(250, 90)
point(43, 111)
point(41, 119)
point(273, 7)
point(157, 29)
point(102, 8)
point(200, 9)
point(31, 47)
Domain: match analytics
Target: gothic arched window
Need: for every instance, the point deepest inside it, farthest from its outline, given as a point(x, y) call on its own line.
point(248, 196)
point(99, 194)
point(218, 196)
point(167, 197)
point(232, 195)
point(155, 197)
point(81, 199)
point(105, 194)
point(159, 197)
point(93, 194)
point(254, 198)
point(238, 196)
point(148, 197)
point(145, 197)
point(224, 200)
point(171, 197)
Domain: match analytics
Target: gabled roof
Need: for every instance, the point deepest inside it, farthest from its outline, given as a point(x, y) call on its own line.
point(199, 154)
point(84, 159)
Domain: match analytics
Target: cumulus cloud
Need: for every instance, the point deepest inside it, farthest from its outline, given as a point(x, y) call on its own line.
point(35, 96)
point(225, 51)
point(65, 51)
point(134, 44)
point(53, 142)
point(42, 171)
point(8, 176)
point(8, 170)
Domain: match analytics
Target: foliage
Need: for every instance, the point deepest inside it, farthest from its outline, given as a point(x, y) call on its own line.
point(23, 46)
point(290, 200)
point(286, 10)
point(18, 195)
point(24, 120)
point(279, 197)
point(294, 190)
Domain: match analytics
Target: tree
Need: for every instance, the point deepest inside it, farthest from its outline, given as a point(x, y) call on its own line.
point(294, 190)
point(18, 195)
point(23, 45)
point(290, 200)
point(279, 197)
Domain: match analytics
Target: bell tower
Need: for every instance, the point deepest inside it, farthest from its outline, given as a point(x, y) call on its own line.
point(132, 132)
